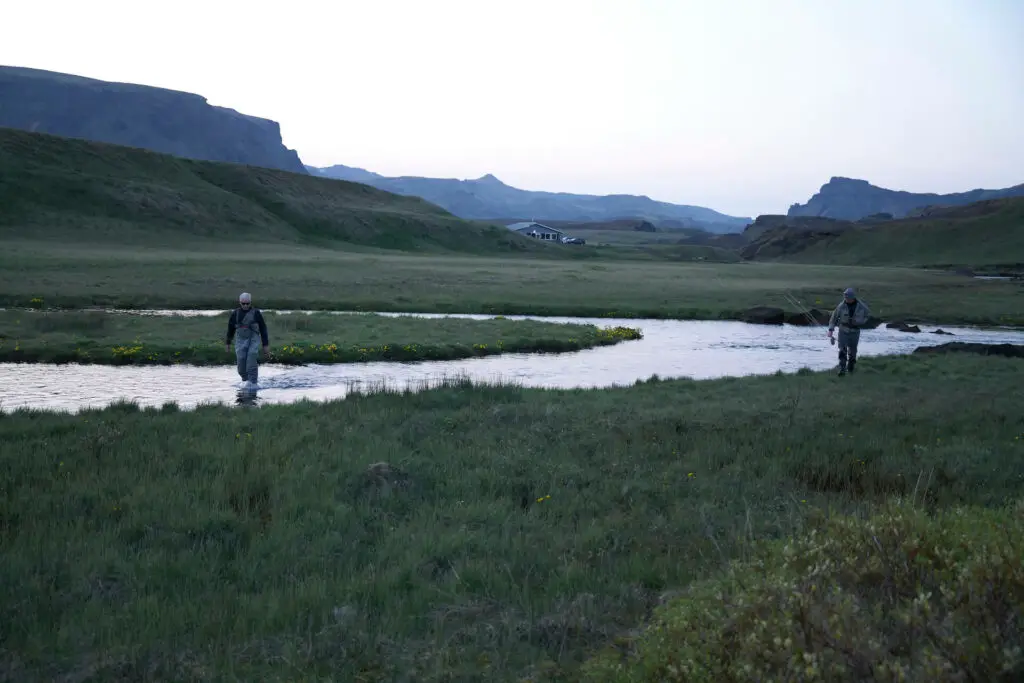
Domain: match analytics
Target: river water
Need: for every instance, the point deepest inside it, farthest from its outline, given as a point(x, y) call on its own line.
point(669, 349)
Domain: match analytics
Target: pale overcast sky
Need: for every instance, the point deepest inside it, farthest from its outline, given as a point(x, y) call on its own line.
point(744, 106)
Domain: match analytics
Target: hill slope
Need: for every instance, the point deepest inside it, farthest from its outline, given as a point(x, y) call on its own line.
point(488, 198)
point(987, 234)
point(851, 199)
point(74, 190)
point(156, 119)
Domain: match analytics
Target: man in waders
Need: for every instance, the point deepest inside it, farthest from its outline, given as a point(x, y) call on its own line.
point(850, 316)
point(247, 327)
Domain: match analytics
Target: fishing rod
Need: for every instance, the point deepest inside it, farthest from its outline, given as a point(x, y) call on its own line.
point(791, 299)
point(807, 314)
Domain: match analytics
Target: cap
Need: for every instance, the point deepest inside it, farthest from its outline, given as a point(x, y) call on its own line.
point(850, 293)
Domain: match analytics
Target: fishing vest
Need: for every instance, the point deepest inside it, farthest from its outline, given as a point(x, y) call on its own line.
point(859, 317)
point(247, 327)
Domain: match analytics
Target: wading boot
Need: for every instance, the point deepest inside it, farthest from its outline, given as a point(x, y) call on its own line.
point(850, 366)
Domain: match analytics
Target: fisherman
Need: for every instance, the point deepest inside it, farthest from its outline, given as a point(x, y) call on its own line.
point(850, 315)
point(247, 321)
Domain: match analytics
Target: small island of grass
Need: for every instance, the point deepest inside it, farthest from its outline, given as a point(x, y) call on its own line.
point(114, 338)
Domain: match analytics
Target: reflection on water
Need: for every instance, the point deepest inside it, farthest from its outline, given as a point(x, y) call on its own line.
point(670, 348)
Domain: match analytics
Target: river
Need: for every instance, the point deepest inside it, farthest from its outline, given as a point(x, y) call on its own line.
point(669, 349)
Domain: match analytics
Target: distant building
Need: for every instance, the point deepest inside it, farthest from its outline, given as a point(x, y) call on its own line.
point(537, 231)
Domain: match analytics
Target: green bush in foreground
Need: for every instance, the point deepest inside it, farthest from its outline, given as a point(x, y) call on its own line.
point(898, 597)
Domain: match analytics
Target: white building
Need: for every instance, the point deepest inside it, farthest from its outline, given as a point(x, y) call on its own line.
point(538, 231)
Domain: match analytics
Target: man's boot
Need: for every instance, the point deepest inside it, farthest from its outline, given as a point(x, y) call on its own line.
point(849, 367)
point(842, 363)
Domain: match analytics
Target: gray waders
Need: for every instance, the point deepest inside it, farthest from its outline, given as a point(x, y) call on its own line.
point(247, 347)
point(848, 340)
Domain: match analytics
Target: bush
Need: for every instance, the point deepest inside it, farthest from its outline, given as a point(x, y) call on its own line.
point(898, 597)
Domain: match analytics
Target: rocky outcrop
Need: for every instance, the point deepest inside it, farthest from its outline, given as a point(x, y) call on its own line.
point(902, 327)
point(766, 223)
point(852, 199)
point(764, 315)
point(774, 236)
point(808, 318)
point(167, 121)
point(1005, 350)
point(770, 315)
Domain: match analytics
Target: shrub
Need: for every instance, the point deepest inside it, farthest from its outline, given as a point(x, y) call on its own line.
point(898, 597)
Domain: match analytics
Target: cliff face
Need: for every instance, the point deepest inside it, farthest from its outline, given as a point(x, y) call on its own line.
point(167, 121)
point(851, 199)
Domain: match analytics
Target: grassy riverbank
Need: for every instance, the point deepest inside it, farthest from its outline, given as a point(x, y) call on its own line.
point(512, 532)
point(212, 275)
point(122, 338)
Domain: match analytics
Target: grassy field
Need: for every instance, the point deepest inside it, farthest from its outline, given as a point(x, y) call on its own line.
point(121, 338)
point(85, 224)
point(664, 243)
point(456, 534)
point(79, 191)
point(297, 277)
point(986, 235)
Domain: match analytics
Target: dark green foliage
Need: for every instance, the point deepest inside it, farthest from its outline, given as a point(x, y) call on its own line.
point(900, 596)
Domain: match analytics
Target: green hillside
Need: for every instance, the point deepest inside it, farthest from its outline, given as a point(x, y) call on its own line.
point(63, 189)
point(988, 234)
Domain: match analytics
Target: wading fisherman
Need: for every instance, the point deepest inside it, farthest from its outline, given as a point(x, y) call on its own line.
point(247, 327)
point(850, 316)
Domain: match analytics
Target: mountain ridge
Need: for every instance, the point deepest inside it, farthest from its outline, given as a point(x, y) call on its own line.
point(489, 198)
point(853, 199)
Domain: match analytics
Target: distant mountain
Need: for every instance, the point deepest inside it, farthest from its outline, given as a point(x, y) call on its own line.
point(159, 120)
point(487, 198)
point(851, 199)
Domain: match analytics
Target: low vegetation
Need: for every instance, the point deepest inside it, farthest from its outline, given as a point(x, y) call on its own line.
point(900, 596)
point(77, 191)
point(125, 338)
point(501, 533)
point(77, 276)
point(985, 236)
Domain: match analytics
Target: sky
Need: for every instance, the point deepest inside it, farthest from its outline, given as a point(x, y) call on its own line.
point(743, 106)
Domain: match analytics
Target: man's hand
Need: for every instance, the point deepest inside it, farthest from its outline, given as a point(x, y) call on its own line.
point(227, 348)
point(266, 351)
